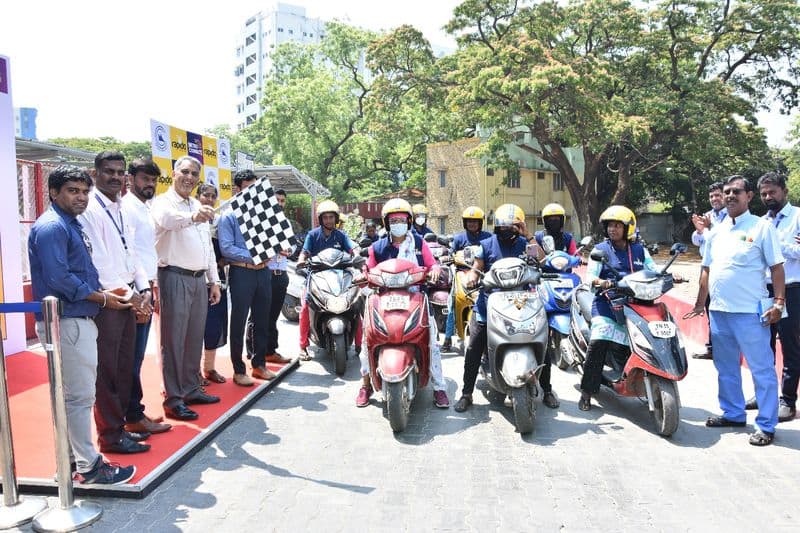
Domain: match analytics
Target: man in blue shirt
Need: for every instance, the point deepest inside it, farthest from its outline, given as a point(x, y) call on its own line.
point(737, 254)
point(250, 288)
point(321, 238)
point(61, 266)
point(473, 234)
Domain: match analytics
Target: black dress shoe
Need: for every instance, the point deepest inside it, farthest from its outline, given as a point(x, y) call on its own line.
point(751, 404)
point(136, 435)
point(550, 400)
point(722, 422)
point(786, 413)
point(125, 445)
point(200, 397)
point(180, 412)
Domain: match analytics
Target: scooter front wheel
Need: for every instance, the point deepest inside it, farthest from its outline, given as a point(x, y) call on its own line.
point(666, 414)
point(398, 405)
point(339, 347)
point(522, 401)
point(289, 308)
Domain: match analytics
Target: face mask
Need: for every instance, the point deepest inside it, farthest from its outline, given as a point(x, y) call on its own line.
point(420, 220)
point(506, 234)
point(553, 225)
point(398, 230)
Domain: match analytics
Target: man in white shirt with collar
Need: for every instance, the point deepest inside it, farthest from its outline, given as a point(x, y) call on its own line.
point(738, 252)
point(786, 219)
point(143, 174)
point(702, 227)
point(186, 263)
point(121, 272)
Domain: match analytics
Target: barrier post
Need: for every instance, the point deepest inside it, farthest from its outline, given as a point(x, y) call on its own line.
point(70, 515)
point(16, 510)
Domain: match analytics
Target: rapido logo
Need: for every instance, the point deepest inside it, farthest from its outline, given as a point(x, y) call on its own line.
point(179, 145)
point(209, 152)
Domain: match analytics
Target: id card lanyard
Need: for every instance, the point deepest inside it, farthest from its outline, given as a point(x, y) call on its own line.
point(120, 230)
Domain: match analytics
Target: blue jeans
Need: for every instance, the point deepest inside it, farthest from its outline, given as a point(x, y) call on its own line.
point(450, 326)
point(732, 334)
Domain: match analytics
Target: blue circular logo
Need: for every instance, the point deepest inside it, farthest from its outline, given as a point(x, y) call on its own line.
point(160, 137)
point(223, 154)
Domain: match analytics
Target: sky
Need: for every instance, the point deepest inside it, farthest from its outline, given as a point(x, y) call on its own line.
point(94, 69)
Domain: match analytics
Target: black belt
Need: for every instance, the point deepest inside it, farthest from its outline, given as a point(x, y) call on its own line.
point(184, 271)
point(278, 272)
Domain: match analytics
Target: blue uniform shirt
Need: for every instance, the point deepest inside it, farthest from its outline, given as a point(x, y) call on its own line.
point(421, 232)
point(492, 250)
point(61, 264)
point(316, 241)
point(231, 240)
point(466, 238)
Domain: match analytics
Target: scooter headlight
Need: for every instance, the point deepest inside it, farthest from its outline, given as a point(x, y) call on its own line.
point(394, 281)
point(559, 262)
point(378, 322)
point(639, 340)
point(336, 304)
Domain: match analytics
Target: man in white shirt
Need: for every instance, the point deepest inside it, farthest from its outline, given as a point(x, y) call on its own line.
point(702, 227)
point(120, 271)
point(186, 263)
point(786, 219)
point(143, 175)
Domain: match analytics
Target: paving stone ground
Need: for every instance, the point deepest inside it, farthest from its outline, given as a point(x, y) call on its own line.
point(304, 458)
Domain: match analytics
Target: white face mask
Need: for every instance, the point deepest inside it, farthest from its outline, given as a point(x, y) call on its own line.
point(398, 230)
point(420, 220)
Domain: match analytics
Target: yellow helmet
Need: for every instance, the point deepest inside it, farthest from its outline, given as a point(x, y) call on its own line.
point(472, 213)
point(327, 206)
point(420, 209)
point(508, 215)
point(620, 213)
point(553, 210)
point(396, 205)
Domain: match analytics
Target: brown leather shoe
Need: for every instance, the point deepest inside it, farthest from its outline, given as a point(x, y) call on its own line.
point(261, 372)
point(277, 359)
point(243, 380)
point(146, 426)
point(216, 377)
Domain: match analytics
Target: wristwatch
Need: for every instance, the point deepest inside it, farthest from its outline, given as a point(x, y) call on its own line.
point(778, 306)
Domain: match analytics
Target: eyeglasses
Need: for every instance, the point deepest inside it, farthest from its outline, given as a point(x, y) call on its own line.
point(737, 192)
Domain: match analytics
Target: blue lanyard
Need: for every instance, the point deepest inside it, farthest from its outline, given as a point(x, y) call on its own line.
point(119, 227)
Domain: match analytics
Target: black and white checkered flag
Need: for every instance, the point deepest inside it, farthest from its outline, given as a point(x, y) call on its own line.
point(264, 226)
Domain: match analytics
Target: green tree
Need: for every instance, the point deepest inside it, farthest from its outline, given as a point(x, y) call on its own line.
point(640, 88)
point(131, 150)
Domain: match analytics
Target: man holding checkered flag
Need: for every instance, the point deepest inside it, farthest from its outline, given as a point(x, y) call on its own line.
point(252, 232)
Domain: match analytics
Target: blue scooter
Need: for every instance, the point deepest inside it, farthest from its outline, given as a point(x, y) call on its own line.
point(557, 286)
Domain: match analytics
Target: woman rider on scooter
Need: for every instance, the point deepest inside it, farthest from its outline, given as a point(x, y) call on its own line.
point(627, 256)
point(401, 242)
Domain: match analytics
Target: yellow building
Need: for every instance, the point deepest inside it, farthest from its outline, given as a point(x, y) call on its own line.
point(455, 181)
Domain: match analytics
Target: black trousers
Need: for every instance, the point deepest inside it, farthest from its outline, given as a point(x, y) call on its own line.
point(116, 344)
point(280, 282)
point(475, 350)
point(788, 329)
point(250, 292)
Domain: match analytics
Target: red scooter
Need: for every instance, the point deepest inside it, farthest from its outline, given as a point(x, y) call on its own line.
point(656, 358)
point(396, 323)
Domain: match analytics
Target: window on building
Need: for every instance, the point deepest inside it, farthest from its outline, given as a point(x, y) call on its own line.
point(489, 171)
point(442, 225)
point(305, 34)
point(280, 30)
point(442, 178)
point(519, 137)
point(250, 39)
point(513, 179)
point(540, 175)
point(251, 79)
point(291, 32)
point(250, 59)
point(251, 99)
point(558, 183)
point(310, 34)
point(251, 118)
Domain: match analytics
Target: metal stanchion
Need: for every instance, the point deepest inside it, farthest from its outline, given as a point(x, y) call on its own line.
point(16, 510)
point(70, 515)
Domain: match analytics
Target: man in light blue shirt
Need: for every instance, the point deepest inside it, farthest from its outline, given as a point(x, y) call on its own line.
point(738, 252)
point(250, 289)
point(703, 226)
point(786, 219)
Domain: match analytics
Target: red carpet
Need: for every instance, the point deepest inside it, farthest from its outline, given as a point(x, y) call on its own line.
point(32, 426)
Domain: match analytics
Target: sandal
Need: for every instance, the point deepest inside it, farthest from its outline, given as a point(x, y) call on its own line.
point(722, 422)
point(761, 438)
point(215, 376)
point(303, 355)
point(585, 403)
point(463, 403)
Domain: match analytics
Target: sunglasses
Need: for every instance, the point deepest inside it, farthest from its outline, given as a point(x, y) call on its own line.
point(732, 191)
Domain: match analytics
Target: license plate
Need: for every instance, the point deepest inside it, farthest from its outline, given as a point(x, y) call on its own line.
point(392, 302)
point(662, 330)
point(562, 283)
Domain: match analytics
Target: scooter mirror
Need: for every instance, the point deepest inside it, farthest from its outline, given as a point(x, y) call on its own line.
point(430, 237)
point(548, 244)
point(599, 255)
point(364, 243)
point(586, 241)
point(678, 248)
point(444, 241)
point(364, 252)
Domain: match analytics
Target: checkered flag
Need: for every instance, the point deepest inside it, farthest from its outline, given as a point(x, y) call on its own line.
point(265, 229)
